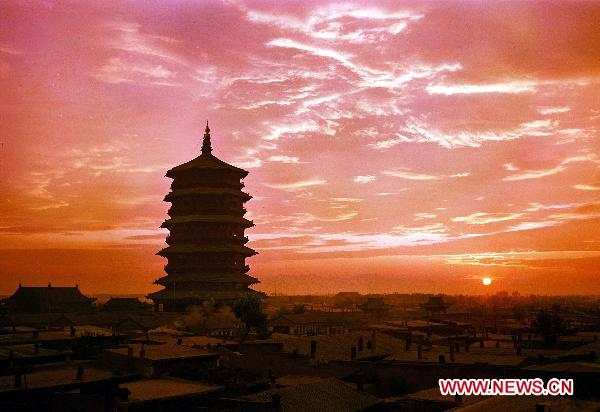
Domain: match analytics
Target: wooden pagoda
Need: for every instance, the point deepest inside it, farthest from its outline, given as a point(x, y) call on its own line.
point(206, 249)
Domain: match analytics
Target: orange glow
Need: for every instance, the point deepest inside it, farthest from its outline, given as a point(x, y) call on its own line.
point(391, 146)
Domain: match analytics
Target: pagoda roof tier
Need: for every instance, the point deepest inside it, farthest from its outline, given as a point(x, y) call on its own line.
point(211, 277)
point(206, 161)
point(212, 191)
point(175, 249)
point(207, 219)
point(194, 295)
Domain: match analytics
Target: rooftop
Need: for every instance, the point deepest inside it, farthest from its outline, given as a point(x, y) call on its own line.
point(327, 395)
point(64, 376)
point(166, 388)
point(164, 352)
point(49, 294)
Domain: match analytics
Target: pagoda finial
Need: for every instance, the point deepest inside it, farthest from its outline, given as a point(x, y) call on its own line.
point(206, 147)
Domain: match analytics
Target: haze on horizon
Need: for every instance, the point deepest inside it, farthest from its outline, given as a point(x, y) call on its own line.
point(392, 147)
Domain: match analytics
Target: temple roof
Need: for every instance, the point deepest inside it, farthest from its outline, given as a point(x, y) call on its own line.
point(196, 295)
point(206, 191)
point(228, 277)
point(49, 294)
point(244, 250)
point(207, 219)
point(206, 160)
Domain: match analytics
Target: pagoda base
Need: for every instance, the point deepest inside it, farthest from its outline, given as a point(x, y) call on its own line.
point(167, 301)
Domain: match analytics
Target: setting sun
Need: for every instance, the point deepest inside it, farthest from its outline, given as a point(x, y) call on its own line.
point(486, 281)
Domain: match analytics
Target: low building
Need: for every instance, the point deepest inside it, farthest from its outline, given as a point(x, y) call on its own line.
point(323, 395)
point(48, 299)
point(36, 389)
point(165, 394)
point(435, 305)
point(125, 305)
point(375, 307)
point(317, 323)
point(156, 360)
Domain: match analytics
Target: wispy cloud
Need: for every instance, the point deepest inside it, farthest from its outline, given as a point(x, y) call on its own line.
point(483, 218)
point(297, 185)
point(284, 159)
point(508, 87)
point(537, 174)
point(364, 179)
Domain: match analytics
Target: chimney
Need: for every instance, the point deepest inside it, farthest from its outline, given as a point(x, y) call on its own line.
point(276, 400)
point(79, 372)
point(353, 353)
point(419, 352)
point(442, 359)
point(313, 349)
point(49, 284)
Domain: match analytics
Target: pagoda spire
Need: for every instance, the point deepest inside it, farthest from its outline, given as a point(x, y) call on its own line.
point(206, 147)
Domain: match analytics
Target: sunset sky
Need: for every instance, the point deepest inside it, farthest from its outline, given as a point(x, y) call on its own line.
point(392, 147)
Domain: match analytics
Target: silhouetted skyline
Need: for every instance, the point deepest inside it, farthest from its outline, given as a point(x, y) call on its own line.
point(392, 147)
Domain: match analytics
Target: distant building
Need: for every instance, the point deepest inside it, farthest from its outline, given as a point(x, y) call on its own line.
point(435, 305)
point(375, 306)
point(125, 305)
point(317, 323)
point(48, 299)
point(348, 299)
point(206, 249)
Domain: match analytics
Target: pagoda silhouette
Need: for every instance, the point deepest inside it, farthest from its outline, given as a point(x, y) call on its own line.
point(206, 249)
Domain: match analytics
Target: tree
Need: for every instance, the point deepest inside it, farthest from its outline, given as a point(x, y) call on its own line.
point(248, 310)
point(550, 325)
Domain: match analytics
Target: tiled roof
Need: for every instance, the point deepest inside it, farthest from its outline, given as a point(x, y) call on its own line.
point(50, 294)
point(195, 294)
point(208, 278)
point(327, 395)
point(207, 219)
point(206, 191)
point(206, 161)
point(231, 248)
